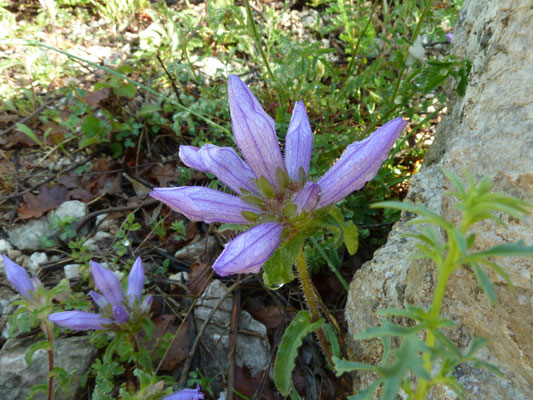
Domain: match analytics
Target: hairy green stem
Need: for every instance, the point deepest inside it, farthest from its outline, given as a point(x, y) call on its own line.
point(309, 294)
point(148, 89)
point(47, 329)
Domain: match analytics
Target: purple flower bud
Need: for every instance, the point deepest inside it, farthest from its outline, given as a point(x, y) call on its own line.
point(120, 315)
point(298, 142)
point(307, 198)
point(108, 283)
point(249, 251)
point(79, 320)
point(359, 163)
point(203, 204)
point(186, 394)
point(18, 277)
point(135, 282)
point(190, 157)
point(146, 304)
point(449, 37)
point(254, 132)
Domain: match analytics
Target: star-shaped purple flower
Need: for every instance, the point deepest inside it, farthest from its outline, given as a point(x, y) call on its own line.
point(274, 193)
point(115, 309)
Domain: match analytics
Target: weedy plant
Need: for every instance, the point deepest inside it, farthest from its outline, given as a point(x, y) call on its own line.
point(416, 364)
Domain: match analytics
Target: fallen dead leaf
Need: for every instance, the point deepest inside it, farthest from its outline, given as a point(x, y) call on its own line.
point(46, 200)
point(94, 98)
point(197, 278)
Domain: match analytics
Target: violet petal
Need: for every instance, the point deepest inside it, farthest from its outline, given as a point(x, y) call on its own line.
point(359, 163)
point(307, 198)
point(79, 320)
point(135, 281)
point(249, 250)
point(298, 142)
point(254, 132)
point(18, 277)
point(204, 204)
point(186, 394)
point(229, 168)
point(98, 299)
point(108, 283)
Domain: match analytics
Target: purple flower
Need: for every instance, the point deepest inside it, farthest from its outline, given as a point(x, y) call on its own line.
point(274, 193)
point(19, 278)
point(449, 37)
point(115, 310)
point(186, 394)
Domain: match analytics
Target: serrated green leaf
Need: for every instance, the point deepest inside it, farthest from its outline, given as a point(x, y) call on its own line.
point(348, 230)
point(90, 126)
point(299, 327)
point(127, 90)
point(42, 345)
point(342, 366)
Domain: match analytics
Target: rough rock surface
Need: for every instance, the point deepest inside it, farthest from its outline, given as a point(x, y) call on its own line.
point(73, 354)
point(252, 348)
point(488, 132)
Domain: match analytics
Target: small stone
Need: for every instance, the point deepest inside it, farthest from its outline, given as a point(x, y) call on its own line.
point(5, 246)
point(99, 241)
point(72, 208)
point(36, 259)
point(72, 271)
point(195, 251)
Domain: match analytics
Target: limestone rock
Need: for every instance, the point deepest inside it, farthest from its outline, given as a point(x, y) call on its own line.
point(488, 132)
point(72, 354)
point(253, 348)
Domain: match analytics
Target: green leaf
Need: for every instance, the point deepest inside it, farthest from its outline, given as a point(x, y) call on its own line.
point(484, 282)
point(299, 327)
point(277, 270)
point(28, 132)
point(333, 341)
point(367, 393)
point(518, 249)
point(348, 229)
point(42, 345)
point(342, 366)
point(127, 90)
point(148, 109)
point(90, 126)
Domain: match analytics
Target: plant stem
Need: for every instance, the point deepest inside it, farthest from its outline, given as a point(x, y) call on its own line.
point(47, 329)
point(356, 46)
point(427, 7)
point(330, 263)
point(309, 294)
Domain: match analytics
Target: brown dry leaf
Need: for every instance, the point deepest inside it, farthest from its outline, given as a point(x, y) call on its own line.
point(46, 200)
point(164, 175)
point(270, 316)
point(198, 278)
point(248, 385)
point(69, 181)
point(179, 350)
point(93, 98)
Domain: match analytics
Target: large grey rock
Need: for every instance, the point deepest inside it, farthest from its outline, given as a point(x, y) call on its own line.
point(252, 348)
point(73, 354)
point(27, 236)
point(489, 132)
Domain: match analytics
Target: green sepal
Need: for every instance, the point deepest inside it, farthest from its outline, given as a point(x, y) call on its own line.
point(232, 227)
point(348, 229)
point(250, 216)
point(277, 270)
point(266, 187)
point(253, 200)
point(289, 210)
point(299, 327)
point(283, 178)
